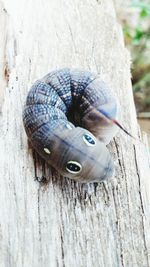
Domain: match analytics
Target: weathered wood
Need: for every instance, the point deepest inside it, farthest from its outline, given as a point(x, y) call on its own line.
point(63, 223)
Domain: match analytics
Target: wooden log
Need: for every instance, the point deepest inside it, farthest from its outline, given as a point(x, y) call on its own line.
point(62, 223)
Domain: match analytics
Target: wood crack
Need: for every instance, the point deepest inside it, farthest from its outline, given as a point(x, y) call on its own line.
point(142, 206)
point(118, 228)
point(39, 226)
point(62, 248)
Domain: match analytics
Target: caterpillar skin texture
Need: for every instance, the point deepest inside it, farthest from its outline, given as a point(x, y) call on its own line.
point(79, 153)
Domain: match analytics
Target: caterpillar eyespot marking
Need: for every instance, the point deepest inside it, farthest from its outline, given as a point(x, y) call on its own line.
point(89, 140)
point(68, 126)
point(47, 151)
point(73, 167)
point(48, 117)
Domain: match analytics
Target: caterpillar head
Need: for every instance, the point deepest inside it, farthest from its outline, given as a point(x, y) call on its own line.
point(76, 154)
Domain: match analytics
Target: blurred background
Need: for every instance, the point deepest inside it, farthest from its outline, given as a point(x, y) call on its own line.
point(134, 15)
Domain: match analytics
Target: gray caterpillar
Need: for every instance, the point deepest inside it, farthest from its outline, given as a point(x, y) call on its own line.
point(53, 102)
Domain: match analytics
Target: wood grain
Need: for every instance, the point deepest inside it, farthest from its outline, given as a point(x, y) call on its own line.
point(61, 223)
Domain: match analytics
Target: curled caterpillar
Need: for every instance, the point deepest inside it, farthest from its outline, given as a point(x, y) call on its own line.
point(52, 107)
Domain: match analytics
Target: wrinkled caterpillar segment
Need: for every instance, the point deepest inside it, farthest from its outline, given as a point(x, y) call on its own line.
point(75, 152)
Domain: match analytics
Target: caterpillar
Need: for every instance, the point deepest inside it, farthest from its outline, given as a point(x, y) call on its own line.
point(67, 118)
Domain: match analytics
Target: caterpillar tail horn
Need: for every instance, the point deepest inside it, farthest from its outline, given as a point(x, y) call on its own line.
point(117, 123)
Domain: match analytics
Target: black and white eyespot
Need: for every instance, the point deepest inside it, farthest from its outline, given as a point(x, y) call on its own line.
point(47, 151)
point(89, 140)
point(73, 167)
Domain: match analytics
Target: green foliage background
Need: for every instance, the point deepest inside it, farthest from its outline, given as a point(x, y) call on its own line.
point(137, 38)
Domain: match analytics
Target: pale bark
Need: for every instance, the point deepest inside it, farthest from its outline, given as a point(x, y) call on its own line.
point(63, 223)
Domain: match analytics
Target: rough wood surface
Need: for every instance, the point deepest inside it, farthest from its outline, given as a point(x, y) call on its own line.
point(62, 223)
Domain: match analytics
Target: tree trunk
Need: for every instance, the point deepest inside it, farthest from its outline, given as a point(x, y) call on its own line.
point(60, 222)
